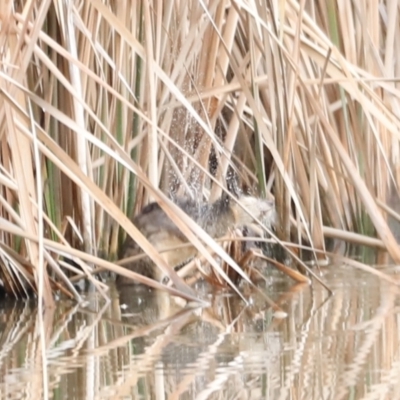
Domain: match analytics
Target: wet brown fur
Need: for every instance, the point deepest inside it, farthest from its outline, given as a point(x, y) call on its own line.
point(216, 219)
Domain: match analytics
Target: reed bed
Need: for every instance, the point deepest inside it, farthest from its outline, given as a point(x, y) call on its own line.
point(106, 106)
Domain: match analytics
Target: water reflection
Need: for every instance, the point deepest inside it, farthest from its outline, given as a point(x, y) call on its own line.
point(345, 346)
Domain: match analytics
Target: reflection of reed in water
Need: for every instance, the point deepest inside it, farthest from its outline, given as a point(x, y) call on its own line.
point(327, 348)
point(216, 219)
point(185, 357)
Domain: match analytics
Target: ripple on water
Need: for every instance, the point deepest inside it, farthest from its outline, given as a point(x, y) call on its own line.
point(342, 346)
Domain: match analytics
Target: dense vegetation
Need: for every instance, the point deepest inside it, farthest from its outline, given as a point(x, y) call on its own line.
point(106, 105)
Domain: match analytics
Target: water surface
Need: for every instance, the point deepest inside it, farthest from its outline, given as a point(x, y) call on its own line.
point(344, 346)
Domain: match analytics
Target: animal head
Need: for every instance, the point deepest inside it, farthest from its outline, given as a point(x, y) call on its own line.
point(247, 208)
